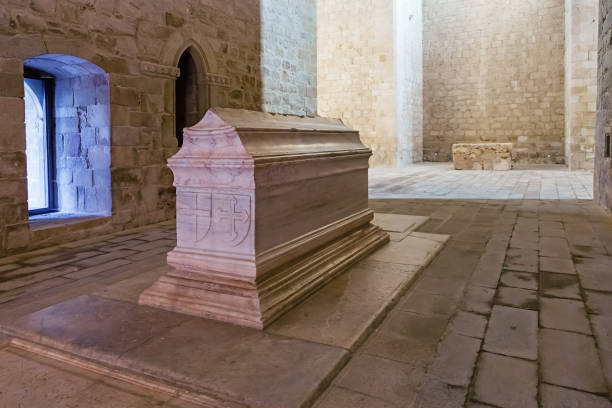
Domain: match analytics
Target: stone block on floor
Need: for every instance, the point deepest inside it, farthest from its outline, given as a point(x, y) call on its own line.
point(482, 156)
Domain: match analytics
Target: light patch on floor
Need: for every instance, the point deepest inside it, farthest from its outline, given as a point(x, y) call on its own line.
point(442, 181)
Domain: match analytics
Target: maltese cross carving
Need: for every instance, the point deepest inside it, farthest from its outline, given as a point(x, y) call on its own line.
point(232, 217)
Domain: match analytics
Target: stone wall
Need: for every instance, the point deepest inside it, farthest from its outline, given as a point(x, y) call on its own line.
point(580, 82)
point(289, 57)
point(370, 73)
point(603, 164)
point(138, 46)
point(355, 78)
point(409, 80)
point(494, 71)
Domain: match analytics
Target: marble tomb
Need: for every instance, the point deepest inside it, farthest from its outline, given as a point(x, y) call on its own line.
point(269, 208)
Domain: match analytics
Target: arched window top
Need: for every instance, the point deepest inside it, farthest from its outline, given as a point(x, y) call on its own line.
point(63, 66)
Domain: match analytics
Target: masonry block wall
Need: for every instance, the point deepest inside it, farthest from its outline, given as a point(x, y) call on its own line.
point(494, 71)
point(138, 46)
point(289, 56)
point(408, 53)
point(603, 162)
point(355, 71)
point(580, 82)
point(365, 60)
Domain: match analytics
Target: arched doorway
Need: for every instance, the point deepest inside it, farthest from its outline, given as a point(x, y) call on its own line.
point(192, 96)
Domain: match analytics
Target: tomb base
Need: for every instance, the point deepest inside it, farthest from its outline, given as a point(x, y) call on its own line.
point(258, 303)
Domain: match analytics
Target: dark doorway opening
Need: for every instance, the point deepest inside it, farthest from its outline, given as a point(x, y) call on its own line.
point(191, 93)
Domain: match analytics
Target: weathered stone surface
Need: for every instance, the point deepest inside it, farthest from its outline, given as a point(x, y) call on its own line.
point(454, 93)
point(456, 359)
point(558, 397)
point(506, 382)
point(570, 360)
point(384, 379)
point(564, 314)
point(513, 332)
point(482, 156)
point(249, 206)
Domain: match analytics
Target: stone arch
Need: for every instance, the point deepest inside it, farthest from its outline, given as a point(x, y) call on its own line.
point(81, 111)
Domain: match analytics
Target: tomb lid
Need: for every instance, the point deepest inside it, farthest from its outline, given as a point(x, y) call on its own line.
point(226, 133)
point(242, 119)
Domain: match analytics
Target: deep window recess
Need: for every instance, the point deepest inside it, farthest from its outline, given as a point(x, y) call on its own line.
point(40, 149)
point(607, 146)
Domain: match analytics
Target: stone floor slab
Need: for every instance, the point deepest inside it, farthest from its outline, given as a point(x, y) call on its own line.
point(469, 324)
point(407, 337)
point(558, 397)
point(560, 285)
point(340, 313)
point(564, 314)
point(557, 265)
point(570, 360)
point(387, 380)
point(513, 332)
point(519, 280)
point(456, 358)
point(338, 397)
point(234, 363)
point(516, 297)
point(506, 382)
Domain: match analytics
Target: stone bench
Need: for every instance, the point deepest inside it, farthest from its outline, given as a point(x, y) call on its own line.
point(482, 156)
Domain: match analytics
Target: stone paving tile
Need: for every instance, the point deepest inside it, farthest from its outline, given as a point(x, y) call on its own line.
point(522, 260)
point(506, 382)
point(560, 285)
point(407, 337)
point(512, 332)
point(437, 394)
point(564, 314)
point(521, 280)
point(387, 380)
point(338, 397)
point(558, 397)
point(469, 324)
point(516, 297)
point(570, 360)
point(598, 302)
point(456, 359)
point(554, 247)
point(427, 304)
point(478, 299)
point(558, 265)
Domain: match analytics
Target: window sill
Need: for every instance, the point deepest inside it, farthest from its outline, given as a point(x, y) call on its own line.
point(62, 219)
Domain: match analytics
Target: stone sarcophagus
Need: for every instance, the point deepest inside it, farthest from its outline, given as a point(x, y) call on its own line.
point(269, 208)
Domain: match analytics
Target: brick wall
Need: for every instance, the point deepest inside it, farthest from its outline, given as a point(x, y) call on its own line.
point(494, 71)
point(137, 45)
point(580, 82)
point(603, 165)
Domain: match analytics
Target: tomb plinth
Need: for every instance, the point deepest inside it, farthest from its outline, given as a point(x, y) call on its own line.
point(269, 208)
point(482, 156)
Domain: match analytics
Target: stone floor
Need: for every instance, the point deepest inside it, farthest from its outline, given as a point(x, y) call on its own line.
point(441, 180)
point(515, 311)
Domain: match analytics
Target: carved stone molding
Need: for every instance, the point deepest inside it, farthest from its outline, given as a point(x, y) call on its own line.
point(217, 80)
point(165, 71)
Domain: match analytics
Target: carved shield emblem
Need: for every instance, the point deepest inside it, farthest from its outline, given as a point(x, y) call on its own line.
point(232, 217)
point(194, 215)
